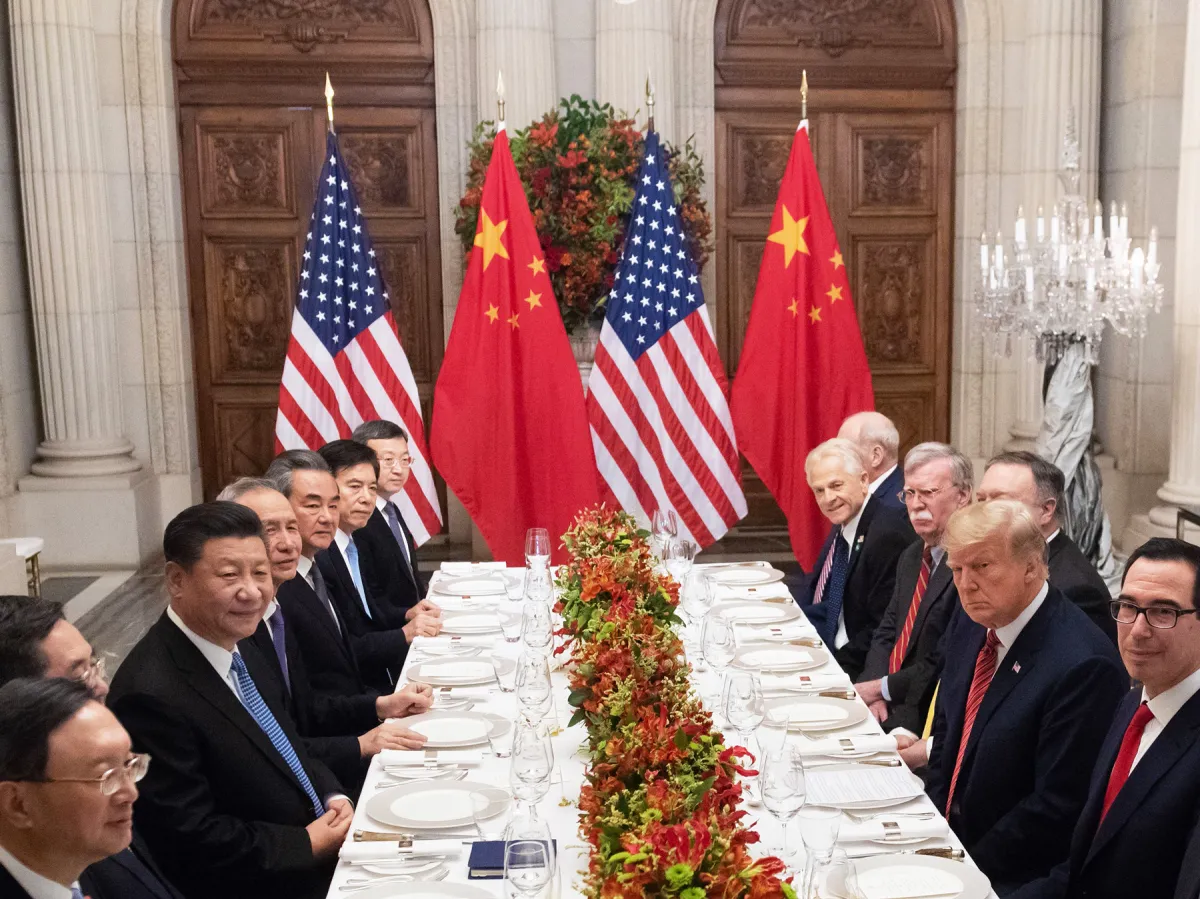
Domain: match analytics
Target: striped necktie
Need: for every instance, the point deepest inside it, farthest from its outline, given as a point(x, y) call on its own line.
point(900, 650)
point(257, 707)
point(834, 589)
point(985, 667)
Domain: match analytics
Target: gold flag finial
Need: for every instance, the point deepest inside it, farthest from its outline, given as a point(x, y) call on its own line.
point(500, 95)
point(649, 102)
point(329, 99)
point(804, 94)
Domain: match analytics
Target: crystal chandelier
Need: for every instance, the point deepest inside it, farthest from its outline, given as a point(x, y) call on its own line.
point(1061, 287)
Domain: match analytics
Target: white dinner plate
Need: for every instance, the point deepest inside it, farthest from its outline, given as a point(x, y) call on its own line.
point(422, 890)
point(401, 865)
point(472, 585)
point(745, 577)
point(459, 672)
point(753, 612)
point(778, 658)
point(911, 876)
point(455, 729)
point(437, 805)
point(815, 714)
point(470, 623)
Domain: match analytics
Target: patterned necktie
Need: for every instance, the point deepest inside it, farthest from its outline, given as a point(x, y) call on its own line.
point(835, 586)
point(318, 585)
point(896, 660)
point(276, 627)
point(392, 514)
point(985, 667)
point(262, 716)
point(356, 576)
point(1125, 756)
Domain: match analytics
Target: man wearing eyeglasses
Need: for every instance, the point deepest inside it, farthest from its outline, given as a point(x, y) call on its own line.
point(1132, 838)
point(36, 641)
point(67, 778)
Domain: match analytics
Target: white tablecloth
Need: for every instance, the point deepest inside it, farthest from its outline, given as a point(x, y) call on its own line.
point(570, 759)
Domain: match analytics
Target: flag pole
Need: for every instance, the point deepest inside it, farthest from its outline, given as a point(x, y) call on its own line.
point(329, 102)
point(500, 99)
point(804, 95)
point(649, 103)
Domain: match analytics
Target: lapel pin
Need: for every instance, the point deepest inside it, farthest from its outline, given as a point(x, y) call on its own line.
point(1016, 667)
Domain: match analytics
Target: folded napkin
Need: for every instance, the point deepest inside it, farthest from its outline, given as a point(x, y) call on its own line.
point(806, 680)
point(776, 633)
point(462, 569)
point(454, 640)
point(457, 694)
point(441, 756)
point(836, 745)
point(389, 851)
point(905, 828)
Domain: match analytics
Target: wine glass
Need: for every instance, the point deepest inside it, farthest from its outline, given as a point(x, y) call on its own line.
point(533, 686)
point(528, 866)
point(745, 708)
point(537, 549)
point(772, 733)
point(718, 645)
point(819, 828)
point(538, 586)
point(695, 599)
point(663, 526)
point(678, 558)
point(537, 627)
point(782, 789)
point(532, 766)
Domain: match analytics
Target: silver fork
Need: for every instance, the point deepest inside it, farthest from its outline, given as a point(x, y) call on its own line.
point(355, 884)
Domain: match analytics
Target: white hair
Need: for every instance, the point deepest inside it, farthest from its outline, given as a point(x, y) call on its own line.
point(962, 472)
point(837, 448)
point(875, 428)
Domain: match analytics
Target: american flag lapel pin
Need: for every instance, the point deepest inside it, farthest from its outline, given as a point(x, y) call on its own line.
point(1016, 667)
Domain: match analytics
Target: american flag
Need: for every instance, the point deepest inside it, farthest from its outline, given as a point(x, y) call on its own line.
point(345, 364)
point(657, 395)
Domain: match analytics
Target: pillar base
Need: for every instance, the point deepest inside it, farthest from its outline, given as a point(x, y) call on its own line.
point(92, 523)
point(1142, 527)
point(1023, 437)
point(80, 459)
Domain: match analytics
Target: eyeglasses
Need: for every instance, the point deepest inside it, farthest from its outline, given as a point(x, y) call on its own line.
point(95, 671)
point(400, 462)
point(908, 494)
point(1161, 617)
point(110, 781)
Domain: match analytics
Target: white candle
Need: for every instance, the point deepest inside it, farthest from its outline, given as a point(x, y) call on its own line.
point(1054, 227)
point(1019, 231)
point(999, 255)
point(1114, 224)
point(1124, 223)
point(1029, 288)
point(984, 257)
point(1091, 278)
point(1135, 264)
point(1152, 252)
point(1098, 222)
point(1041, 225)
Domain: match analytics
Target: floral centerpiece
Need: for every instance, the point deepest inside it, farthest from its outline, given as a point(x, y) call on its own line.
point(660, 804)
point(578, 165)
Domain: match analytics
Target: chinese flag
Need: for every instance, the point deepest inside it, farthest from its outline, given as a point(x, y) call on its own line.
point(510, 430)
point(803, 368)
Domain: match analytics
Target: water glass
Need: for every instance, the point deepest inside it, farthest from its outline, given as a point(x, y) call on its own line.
point(841, 877)
point(511, 620)
point(537, 627)
point(745, 710)
point(506, 675)
point(819, 828)
point(782, 788)
point(537, 549)
point(533, 686)
point(664, 525)
point(678, 558)
point(772, 733)
point(528, 867)
point(538, 586)
point(718, 645)
point(532, 765)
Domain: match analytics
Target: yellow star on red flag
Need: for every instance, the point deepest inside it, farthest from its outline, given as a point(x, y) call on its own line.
point(534, 299)
point(836, 259)
point(790, 236)
point(489, 238)
point(512, 320)
point(794, 308)
point(814, 315)
point(834, 294)
point(538, 266)
point(492, 312)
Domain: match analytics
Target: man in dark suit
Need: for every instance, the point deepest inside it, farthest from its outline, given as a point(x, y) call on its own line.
point(1039, 484)
point(37, 641)
point(1029, 686)
point(234, 805)
point(905, 658)
point(1137, 833)
point(388, 552)
point(66, 787)
point(379, 629)
point(878, 442)
point(848, 590)
point(343, 731)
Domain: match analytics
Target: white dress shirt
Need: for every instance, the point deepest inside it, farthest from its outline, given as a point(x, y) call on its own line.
point(37, 886)
point(218, 656)
point(1009, 633)
point(849, 530)
point(938, 554)
point(874, 485)
point(1164, 707)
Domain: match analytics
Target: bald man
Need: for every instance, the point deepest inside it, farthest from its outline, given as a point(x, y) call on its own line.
point(876, 438)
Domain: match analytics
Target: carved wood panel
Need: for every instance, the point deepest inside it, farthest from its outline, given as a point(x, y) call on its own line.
point(246, 171)
point(243, 431)
point(885, 160)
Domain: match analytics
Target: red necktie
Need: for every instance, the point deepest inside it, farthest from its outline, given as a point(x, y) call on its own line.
point(1126, 754)
point(985, 667)
point(901, 648)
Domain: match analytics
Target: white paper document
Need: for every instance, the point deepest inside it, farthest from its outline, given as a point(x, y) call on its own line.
point(908, 882)
point(861, 784)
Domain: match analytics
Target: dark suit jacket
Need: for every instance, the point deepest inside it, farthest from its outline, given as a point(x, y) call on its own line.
point(911, 688)
point(9, 888)
point(329, 723)
point(220, 809)
point(888, 490)
point(130, 874)
point(1077, 578)
point(1024, 777)
point(1148, 845)
point(395, 585)
point(882, 535)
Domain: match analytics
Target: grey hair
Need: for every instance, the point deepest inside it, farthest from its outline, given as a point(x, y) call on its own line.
point(840, 449)
point(286, 464)
point(876, 428)
point(239, 488)
point(962, 472)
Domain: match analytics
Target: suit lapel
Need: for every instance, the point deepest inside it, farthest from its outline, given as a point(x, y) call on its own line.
point(1171, 745)
point(208, 685)
point(10, 887)
point(939, 582)
point(860, 535)
point(410, 559)
point(308, 596)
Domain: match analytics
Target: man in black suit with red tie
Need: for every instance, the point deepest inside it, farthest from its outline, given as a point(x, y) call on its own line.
point(905, 658)
point(1137, 835)
point(386, 544)
point(848, 589)
point(1029, 686)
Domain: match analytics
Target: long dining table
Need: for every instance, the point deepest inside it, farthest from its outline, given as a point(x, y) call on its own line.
point(353, 878)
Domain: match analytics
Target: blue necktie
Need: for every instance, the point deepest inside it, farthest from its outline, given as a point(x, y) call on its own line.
point(356, 576)
point(258, 710)
point(277, 629)
point(393, 520)
point(834, 590)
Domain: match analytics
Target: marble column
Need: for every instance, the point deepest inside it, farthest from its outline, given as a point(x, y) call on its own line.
point(67, 239)
point(1183, 480)
point(1062, 79)
point(515, 37)
point(632, 41)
